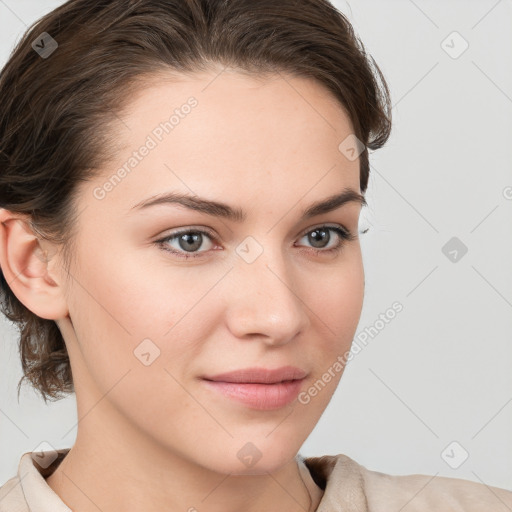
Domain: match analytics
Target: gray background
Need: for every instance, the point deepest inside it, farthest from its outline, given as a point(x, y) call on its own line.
point(439, 372)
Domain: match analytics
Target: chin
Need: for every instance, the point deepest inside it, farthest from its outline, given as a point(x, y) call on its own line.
point(258, 457)
point(264, 456)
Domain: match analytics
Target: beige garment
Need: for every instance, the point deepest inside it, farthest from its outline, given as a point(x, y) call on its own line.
point(348, 487)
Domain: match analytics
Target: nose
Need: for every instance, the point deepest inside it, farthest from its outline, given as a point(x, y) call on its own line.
point(264, 300)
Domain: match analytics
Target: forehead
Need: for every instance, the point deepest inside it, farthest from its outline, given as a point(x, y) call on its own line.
point(210, 132)
point(255, 110)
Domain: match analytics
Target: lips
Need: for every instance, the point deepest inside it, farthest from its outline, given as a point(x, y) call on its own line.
point(258, 388)
point(258, 375)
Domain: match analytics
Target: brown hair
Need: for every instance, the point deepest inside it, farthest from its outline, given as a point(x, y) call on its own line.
point(56, 108)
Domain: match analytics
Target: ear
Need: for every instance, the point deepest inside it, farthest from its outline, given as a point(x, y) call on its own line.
point(24, 260)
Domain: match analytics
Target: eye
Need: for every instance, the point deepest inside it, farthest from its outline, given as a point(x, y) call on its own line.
point(187, 242)
point(321, 236)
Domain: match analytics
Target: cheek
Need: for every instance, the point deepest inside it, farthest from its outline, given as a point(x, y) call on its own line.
point(128, 313)
point(121, 316)
point(337, 304)
point(338, 298)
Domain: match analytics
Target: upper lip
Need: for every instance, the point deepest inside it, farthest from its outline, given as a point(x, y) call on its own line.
point(260, 375)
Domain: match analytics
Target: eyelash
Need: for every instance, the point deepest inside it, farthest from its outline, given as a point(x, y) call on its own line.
point(344, 235)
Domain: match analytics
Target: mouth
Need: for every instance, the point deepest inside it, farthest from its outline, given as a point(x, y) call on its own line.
point(260, 375)
point(259, 388)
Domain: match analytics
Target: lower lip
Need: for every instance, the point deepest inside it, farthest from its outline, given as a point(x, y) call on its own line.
point(259, 396)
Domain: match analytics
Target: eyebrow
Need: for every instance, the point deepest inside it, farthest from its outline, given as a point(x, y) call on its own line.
point(218, 209)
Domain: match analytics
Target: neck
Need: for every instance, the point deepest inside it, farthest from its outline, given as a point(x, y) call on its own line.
point(120, 469)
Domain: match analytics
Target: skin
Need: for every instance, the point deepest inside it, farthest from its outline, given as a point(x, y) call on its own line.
point(270, 147)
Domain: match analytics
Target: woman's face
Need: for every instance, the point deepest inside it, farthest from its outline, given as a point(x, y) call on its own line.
point(150, 325)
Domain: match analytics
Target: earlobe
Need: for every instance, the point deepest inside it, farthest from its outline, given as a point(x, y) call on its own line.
point(24, 264)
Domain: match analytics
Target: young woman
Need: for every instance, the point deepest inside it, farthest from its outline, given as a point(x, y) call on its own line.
point(181, 183)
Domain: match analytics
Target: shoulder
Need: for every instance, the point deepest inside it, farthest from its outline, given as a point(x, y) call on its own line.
point(11, 496)
point(346, 482)
point(28, 489)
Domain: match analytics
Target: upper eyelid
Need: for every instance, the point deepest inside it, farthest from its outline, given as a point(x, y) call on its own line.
point(328, 226)
point(212, 235)
point(210, 232)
